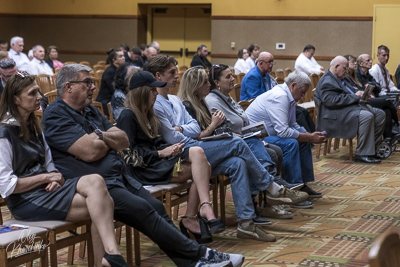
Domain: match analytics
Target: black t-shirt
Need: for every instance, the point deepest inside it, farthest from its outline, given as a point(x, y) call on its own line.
point(63, 126)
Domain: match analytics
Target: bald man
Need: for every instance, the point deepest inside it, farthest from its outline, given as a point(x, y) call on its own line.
point(342, 114)
point(258, 80)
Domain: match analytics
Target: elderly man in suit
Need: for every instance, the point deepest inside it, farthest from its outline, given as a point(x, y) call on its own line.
point(341, 113)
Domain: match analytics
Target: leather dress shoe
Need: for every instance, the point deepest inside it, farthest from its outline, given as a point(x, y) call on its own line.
point(366, 159)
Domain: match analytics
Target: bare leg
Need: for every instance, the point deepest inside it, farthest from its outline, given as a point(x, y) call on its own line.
point(92, 200)
point(200, 171)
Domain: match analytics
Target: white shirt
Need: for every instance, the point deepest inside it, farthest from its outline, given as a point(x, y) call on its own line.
point(8, 180)
point(37, 67)
point(250, 63)
point(377, 73)
point(240, 66)
point(307, 65)
point(20, 59)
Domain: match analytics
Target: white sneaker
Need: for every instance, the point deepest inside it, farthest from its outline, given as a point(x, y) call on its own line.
point(214, 258)
point(236, 259)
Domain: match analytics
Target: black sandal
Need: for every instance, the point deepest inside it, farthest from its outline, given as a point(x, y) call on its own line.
point(215, 225)
point(115, 260)
point(201, 238)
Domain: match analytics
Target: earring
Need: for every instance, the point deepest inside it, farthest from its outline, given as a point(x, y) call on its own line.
point(219, 87)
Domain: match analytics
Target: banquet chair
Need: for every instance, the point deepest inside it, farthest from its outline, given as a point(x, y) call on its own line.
point(385, 250)
point(44, 82)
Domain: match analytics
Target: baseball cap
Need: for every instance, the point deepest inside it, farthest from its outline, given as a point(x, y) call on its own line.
point(144, 78)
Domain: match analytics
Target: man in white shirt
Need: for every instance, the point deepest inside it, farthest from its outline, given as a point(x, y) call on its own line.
point(381, 73)
point(38, 65)
point(17, 45)
point(305, 62)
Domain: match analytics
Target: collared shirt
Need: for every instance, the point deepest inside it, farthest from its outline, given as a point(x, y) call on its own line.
point(307, 65)
point(20, 59)
point(277, 109)
point(250, 63)
point(240, 66)
point(8, 180)
point(36, 67)
point(269, 81)
point(385, 82)
point(63, 126)
point(171, 112)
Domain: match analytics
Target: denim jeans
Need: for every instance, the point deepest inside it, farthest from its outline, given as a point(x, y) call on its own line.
point(297, 159)
point(233, 157)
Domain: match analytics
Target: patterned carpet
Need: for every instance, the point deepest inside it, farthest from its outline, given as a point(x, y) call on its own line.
point(360, 201)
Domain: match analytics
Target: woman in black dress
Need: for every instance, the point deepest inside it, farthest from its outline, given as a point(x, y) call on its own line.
point(32, 186)
point(153, 161)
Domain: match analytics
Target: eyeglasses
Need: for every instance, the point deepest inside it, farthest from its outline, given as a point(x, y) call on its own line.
point(368, 60)
point(271, 62)
point(21, 74)
point(88, 82)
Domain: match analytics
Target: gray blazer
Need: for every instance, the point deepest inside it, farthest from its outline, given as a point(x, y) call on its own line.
point(338, 109)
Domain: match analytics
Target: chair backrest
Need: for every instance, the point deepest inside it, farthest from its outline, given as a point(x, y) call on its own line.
point(51, 96)
point(110, 115)
point(97, 83)
point(235, 93)
point(99, 73)
point(44, 82)
point(240, 77)
point(279, 73)
point(272, 74)
point(385, 251)
point(245, 103)
point(39, 115)
point(280, 80)
point(236, 78)
point(69, 62)
point(183, 68)
point(321, 74)
point(98, 67)
point(314, 80)
point(287, 71)
point(53, 81)
point(101, 62)
point(99, 106)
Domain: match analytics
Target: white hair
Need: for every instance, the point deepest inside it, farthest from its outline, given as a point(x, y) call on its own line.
point(15, 39)
point(299, 77)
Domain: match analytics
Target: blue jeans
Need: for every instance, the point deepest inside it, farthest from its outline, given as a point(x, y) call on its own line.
point(297, 159)
point(248, 176)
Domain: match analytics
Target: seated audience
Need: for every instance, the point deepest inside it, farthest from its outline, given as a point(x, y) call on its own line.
point(277, 109)
point(229, 156)
point(106, 88)
point(38, 65)
point(125, 49)
point(156, 45)
point(352, 82)
point(33, 187)
point(52, 58)
point(151, 52)
point(20, 58)
point(254, 51)
point(364, 64)
point(154, 161)
point(80, 136)
point(3, 54)
point(200, 58)
point(240, 65)
point(381, 73)
point(341, 113)
point(135, 57)
point(306, 62)
point(121, 88)
point(397, 76)
point(195, 87)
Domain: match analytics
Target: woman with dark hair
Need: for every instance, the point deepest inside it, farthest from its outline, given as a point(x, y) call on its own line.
point(121, 87)
point(194, 93)
point(106, 91)
point(153, 161)
point(240, 65)
point(32, 186)
point(376, 101)
point(52, 60)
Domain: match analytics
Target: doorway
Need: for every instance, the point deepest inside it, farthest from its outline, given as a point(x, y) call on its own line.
point(179, 29)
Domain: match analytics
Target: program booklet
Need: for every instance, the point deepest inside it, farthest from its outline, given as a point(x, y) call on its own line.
point(255, 128)
point(12, 227)
point(367, 92)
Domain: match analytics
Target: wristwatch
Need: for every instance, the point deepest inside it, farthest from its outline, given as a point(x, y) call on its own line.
point(181, 129)
point(99, 133)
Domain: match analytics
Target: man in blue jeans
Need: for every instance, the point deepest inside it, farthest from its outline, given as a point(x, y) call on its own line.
point(277, 108)
point(228, 156)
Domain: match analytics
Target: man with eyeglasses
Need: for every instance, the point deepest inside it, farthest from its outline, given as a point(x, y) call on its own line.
point(364, 64)
point(258, 80)
point(342, 114)
point(306, 62)
point(381, 73)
